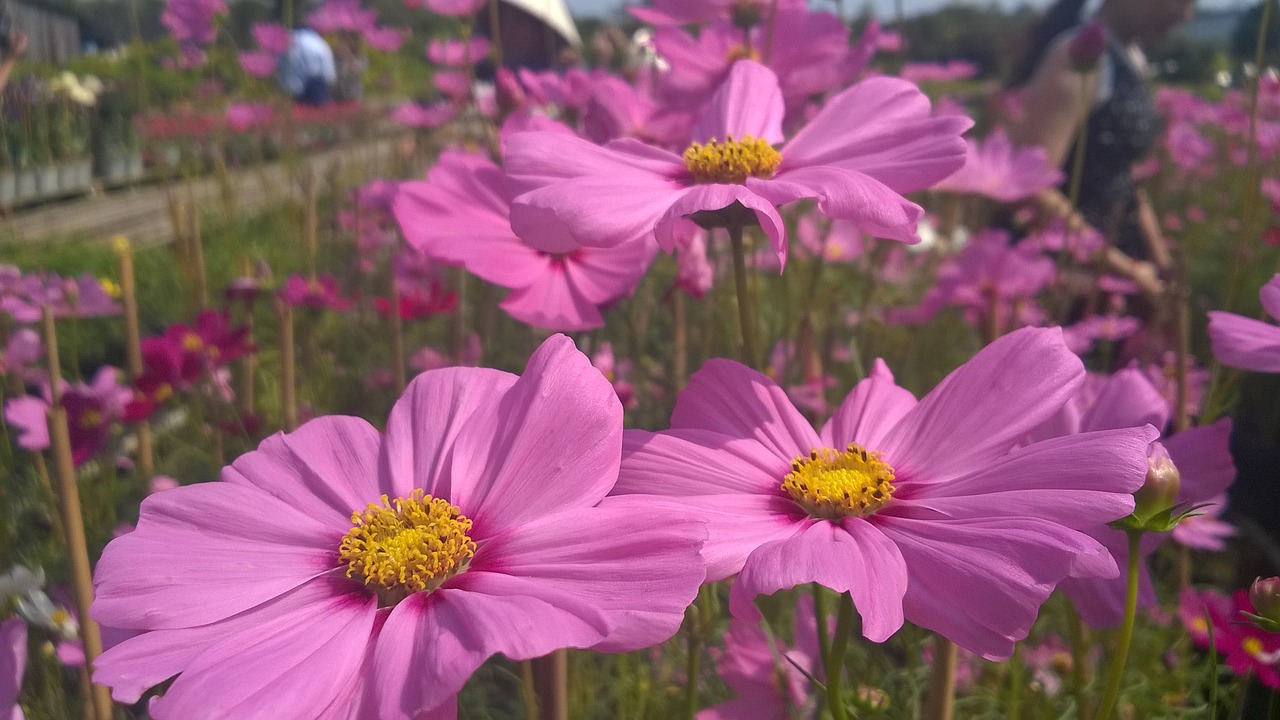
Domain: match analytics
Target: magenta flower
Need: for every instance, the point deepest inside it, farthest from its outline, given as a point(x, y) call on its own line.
point(459, 216)
point(413, 115)
point(1206, 530)
point(1245, 343)
point(385, 39)
point(24, 297)
point(454, 8)
point(320, 293)
point(272, 38)
point(13, 665)
point(247, 115)
point(996, 169)
point(259, 63)
point(192, 21)
point(1248, 650)
point(949, 71)
point(868, 145)
point(1126, 399)
point(22, 351)
point(91, 411)
point(458, 53)
point(337, 571)
point(339, 15)
point(921, 511)
point(765, 674)
point(684, 12)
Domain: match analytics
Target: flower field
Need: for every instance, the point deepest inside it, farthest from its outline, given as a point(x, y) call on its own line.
point(751, 370)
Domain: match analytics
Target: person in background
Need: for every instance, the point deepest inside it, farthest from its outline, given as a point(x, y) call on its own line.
point(351, 66)
point(1121, 125)
point(15, 48)
point(307, 71)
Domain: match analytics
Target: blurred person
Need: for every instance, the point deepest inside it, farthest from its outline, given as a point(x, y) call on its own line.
point(1065, 83)
point(307, 70)
point(14, 47)
point(351, 65)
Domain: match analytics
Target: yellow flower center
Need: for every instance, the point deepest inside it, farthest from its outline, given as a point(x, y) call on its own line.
point(831, 484)
point(741, 52)
point(1252, 646)
point(731, 161)
point(410, 545)
point(90, 419)
point(192, 343)
point(110, 287)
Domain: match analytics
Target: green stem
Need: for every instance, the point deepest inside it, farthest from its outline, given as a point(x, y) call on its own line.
point(835, 659)
point(749, 345)
point(1015, 683)
point(1273, 705)
point(693, 666)
point(820, 616)
point(1116, 678)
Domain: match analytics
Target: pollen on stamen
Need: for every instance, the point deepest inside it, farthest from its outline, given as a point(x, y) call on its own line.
point(831, 484)
point(412, 544)
point(731, 161)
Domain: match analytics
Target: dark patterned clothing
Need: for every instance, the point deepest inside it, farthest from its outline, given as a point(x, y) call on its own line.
point(1121, 130)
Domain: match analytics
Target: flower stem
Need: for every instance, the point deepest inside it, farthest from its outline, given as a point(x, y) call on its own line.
point(1079, 646)
point(749, 345)
point(941, 700)
point(820, 616)
point(835, 658)
point(693, 662)
point(1273, 705)
point(1116, 678)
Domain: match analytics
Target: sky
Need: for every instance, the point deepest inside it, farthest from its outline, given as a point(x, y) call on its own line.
point(883, 8)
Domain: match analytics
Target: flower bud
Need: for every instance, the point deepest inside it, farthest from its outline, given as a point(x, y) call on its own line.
point(510, 95)
point(1160, 491)
point(1087, 46)
point(1265, 596)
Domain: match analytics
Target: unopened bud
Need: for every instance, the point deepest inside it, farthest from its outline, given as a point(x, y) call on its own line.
point(510, 95)
point(1087, 46)
point(1265, 596)
point(1160, 491)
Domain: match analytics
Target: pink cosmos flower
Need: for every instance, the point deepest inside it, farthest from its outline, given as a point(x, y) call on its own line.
point(285, 590)
point(272, 38)
point(996, 169)
point(1247, 649)
point(920, 510)
point(319, 294)
point(246, 115)
point(694, 273)
point(809, 53)
point(385, 39)
point(92, 409)
point(617, 373)
point(22, 351)
point(459, 216)
point(259, 63)
point(413, 115)
point(13, 665)
point(838, 242)
point(458, 53)
point(1245, 343)
point(1189, 149)
point(1127, 399)
point(949, 71)
point(1206, 531)
point(455, 8)
point(25, 297)
point(868, 145)
point(684, 12)
point(337, 15)
point(764, 673)
point(192, 21)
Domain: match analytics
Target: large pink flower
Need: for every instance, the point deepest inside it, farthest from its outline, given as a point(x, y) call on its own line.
point(920, 510)
point(459, 216)
point(866, 147)
point(1245, 343)
point(996, 169)
point(337, 571)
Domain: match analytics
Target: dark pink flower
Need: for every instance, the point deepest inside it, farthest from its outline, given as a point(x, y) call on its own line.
point(321, 293)
point(1087, 46)
point(458, 53)
point(1245, 343)
point(385, 39)
point(414, 115)
point(272, 38)
point(92, 410)
point(921, 511)
point(342, 15)
point(247, 115)
point(459, 216)
point(279, 592)
point(1248, 650)
point(868, 145)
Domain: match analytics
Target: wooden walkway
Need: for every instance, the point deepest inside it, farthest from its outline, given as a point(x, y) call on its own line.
point(142, 213)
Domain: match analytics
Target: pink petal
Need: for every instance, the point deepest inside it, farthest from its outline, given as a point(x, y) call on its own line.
point(1080, 481)
point(554, 304)
point(1269, 296)
point(1203, 458)
point(881, 127)
point(614, 558)
point(874, 406)
point(736, 524)
point(536, 159)
point(1245, 343)
point(13, 664)
point(592, 211)
point(1126, 399)
point(701, 198)
point(432, 643)
point(30, 416)
point(553, 440)
point(730, 398)
point(847, 194)
point(296, 664)
point(748, 102)
point(205, 552)
point(328, 468)
point(426, 421)
point(980, 583)
point(853, 557)
point(979, 411)
point(697, 462)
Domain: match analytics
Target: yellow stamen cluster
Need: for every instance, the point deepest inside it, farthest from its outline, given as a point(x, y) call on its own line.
point(192, 343)
point(731, 161)
point(831, 484)
point(741, 52)
point(90, 419)
point(408, 545)
point(1252, 646)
